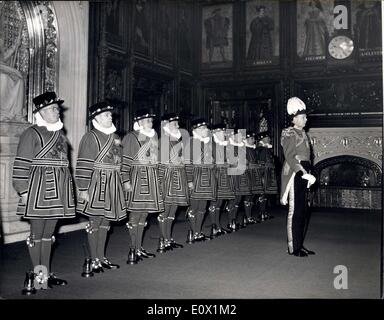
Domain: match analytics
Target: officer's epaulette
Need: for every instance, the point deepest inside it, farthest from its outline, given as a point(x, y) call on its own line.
point(288, 132)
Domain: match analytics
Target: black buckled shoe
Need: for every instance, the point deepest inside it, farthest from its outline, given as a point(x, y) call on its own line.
point(105, 263)
point(298, 253)
point(309, 252)
point(55, 281)
point(145, 254)
point(174, 244)
point(96, 266)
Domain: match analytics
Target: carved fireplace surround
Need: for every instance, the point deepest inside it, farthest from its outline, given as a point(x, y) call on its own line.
point(359, 147)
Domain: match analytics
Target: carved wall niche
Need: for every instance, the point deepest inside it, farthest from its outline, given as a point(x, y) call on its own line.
point(30, 29)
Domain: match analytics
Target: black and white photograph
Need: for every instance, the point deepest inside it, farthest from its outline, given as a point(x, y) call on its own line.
point(191, 159)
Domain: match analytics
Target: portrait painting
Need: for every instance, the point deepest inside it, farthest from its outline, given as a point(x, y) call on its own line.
point(367, 29)
point(262, 32)
point(217, 36)
point(164, 28)
point(142, 27)
point(314, 27)
point(185, 34)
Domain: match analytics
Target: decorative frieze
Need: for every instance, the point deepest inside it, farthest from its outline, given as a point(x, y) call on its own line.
point(359, 142)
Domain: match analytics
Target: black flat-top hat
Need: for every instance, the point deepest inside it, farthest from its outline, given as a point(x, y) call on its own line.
point(143, 114)
point(98, 108)
point(262, 135)
point(196, 123)
point(170, 117)
point(45, 100)
point(218, 127)
point(250, 134)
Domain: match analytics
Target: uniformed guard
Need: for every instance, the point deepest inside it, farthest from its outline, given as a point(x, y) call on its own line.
point(296, 176)
point(240, 176)
point(43, 181)
point(225, 188)
point(98, 180)
point(200, 175)
point(253, 173)
point(268, 173)
point(172, 177)
point(141, 180)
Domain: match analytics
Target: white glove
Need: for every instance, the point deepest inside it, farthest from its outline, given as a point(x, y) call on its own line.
point(311, 179)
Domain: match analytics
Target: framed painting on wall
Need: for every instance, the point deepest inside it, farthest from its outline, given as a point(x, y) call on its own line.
point(262, 32)
point(185, 35)
point(313, 29)
point(366, 21)
point(217, 36)
point(164, 28)
point(142, 26)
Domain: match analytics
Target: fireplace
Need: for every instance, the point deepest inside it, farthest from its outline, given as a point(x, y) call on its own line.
point(348, 165)
point(348, 182)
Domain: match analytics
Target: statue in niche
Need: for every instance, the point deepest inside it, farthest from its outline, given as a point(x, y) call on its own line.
point(11, 83)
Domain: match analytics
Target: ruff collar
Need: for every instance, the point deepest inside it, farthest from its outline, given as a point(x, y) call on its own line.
point(109, 130)
point(265, 145)
point(176, 136)
point(220, 142)
point(236, 144)
point(50, 126)
point(151, 133)
point(199, 137)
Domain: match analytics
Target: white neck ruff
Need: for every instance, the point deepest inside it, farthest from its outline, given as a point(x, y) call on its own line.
point(199, 137)
point(109, 130)
point(176, 136)
point(50, 126)
point(249, 145)
point(149, 133)
point(265, 145)
point(237, 144)
point(220, 142)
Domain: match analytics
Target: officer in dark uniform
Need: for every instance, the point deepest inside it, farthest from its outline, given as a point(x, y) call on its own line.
point(296, 177)
point(98, 179)
point(42, 179)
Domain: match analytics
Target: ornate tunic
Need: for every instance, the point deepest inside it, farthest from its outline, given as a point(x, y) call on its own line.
point(140, 168)
point(296, 148)
point(200, 169)
point(225, 187)
point(242, 183)
point(41, 170)
point(255, 171)
point(172, 174)
point(98, 170)
point(268, 172)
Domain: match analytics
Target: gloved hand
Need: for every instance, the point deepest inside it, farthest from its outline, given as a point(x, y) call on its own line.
point(311, 179)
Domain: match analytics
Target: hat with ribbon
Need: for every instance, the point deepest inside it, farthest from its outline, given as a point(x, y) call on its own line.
point(169, 117)
point(45, 100)
point(143, 114)
point(198, 123)
point(98, 108)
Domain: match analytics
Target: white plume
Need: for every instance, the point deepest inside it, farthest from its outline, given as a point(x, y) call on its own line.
point(294, 105)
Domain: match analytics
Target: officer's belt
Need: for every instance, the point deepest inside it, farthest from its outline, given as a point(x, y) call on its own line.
point(106, 166)
point(49, 162)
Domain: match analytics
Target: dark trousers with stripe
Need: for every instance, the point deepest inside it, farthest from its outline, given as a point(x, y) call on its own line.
point(298, 214)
